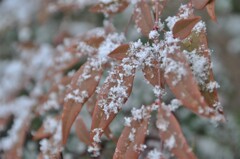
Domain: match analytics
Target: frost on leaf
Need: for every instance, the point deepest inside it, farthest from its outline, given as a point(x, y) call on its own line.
point(183, 27)
point(186, 88)
point(170, 132)
point(82, 87)
point(110, 7)
point(120, 52)
point(153, 73)
point(198, 55)
point(130, 143)
point(143, 17)
point(113, 94)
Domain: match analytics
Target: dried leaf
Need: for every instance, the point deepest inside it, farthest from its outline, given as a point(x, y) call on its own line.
point(143, 17)
point(120, 52)
point(200, 4)
point(171, 134)
point(211, 10)
point(113, 94)
point(82, 86)
point(130, 143)
point(185, 88)
point(183, 27)
point(110, 8)
point(81, 131)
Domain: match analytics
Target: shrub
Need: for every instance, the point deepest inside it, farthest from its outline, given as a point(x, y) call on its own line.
point(173, 54)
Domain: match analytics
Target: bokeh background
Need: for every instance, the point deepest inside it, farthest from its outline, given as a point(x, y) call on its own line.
point(34, 28)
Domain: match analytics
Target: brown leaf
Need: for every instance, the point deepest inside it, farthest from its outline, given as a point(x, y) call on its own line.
point(211, 97)
point(153, 73)
point(211, 10)
point(171, 134)
point(143, 17)
point(193, 43)
point(183, 27)
point(81, 89)
point(16, 151)
point(110, 8)
point(91, 103)
point(130, 143)
point(120, 52)
point(82, 131)
point(199, 4)
point(184, 86)
point(113, 94)
point(40, 134)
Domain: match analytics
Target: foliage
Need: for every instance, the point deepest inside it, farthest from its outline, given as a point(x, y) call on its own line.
point(175, 56)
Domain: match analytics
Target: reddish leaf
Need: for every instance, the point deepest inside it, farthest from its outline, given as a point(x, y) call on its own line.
point(143, 17)
point(153, 73)
point(81, 89)
point(81, 131)
point(198, 42)
point(113, 94)
point(110, 8)
point(183, 27)
point(16, 150)
point(91, 103)
point(199, 4)
point(211, 10)
point(131, 141)
point(210, 96)
point(171, 134)
point(183, 85)
point(120, 52)
point(40, 134)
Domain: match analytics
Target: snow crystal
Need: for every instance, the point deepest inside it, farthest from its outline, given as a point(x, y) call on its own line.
point(139, 114)
point(154, 154)
point(175, 103)
point(132, 134)
point(199, 27)
point(97, 132)
point(170, 142)
point(199, 65)
point(127, 121)
point(94, 150)
point(212, 85)
point(105, 1)
point(77, 96)
point(139, 148)
point(50, 125)
point(162, 125)
point(153, 34)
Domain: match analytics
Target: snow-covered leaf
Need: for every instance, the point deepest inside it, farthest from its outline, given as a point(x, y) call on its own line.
point(131, 142)
point(143, 17)
point(171, 134)
point(82, 87)
point(184, 86)
point(113, 94)
point(120, 52)
point(110, 7)
point(153, 73)
point(183, 27)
